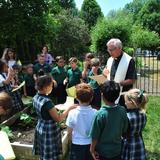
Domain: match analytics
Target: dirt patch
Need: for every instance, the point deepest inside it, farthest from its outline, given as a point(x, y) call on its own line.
point(22, 133)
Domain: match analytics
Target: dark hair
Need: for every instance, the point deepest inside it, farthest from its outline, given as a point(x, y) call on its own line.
point(110, 90)
point(2, 64)
point(43, 81)
point(5, 101)
point(59, 58)
point(73, 59)
point(84, 92)
point(6, 56)
point(89, 55)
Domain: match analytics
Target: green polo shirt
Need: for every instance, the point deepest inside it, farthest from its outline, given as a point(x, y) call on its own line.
point(92, 82)
point(45, 67)
point(108, 126)
point(74, 77)
point(29, 80)
point(59, 74)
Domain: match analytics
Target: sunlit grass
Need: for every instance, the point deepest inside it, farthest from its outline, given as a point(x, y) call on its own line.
point(151, 133)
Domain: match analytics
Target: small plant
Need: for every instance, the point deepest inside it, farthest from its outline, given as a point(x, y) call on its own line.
point(7, 130)
point(26, 118)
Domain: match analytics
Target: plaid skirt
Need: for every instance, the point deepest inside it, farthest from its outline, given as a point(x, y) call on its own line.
point(133, 149)
point(47, 140)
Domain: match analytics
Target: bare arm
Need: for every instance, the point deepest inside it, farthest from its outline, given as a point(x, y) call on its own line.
point(127, 82)
point(92, 149)
point(59, 117)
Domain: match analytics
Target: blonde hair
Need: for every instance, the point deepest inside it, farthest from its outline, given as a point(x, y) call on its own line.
point(138, 98)
point(95, 62)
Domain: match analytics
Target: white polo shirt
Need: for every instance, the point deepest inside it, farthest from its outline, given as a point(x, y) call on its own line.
point(80, 120)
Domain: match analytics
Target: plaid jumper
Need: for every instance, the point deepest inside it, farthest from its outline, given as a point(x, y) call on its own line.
point(133, 145)
point(47, 141)
point(17, 104)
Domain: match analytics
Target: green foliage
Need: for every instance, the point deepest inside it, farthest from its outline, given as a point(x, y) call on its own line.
point(107, 29)
point(7, 130)
point(129, 51)
point(26, 118)
point(149, 16)
point(134, 8)
point(143, 38)
point(90, 12)
point(72, 35)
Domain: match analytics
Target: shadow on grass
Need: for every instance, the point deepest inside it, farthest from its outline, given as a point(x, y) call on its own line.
point(153, 155)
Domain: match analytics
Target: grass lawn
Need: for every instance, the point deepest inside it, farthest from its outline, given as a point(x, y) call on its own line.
point(151, 133)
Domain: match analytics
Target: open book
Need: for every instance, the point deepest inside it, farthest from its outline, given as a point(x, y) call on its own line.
point(18, 87)
point(99, 78)
point(68, 103)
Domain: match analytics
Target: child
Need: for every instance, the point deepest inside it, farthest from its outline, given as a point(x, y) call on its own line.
point(133, 145)
point(9, 56)
point(41, 65)
point(74, 75)
point(59, 73)
point(87, 66)
point(5, 103)
point(29, 87)
point(48, 57)
point(79, 123)
point(95, 70)
point(109, 124)
point(47, 141)
point(6, 76)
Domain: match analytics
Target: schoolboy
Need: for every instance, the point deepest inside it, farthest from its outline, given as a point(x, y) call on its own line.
point(109, 124)
point(74, 75)
point(79, 123)
point(95, 70)
point(59, 73)
point(41, 65)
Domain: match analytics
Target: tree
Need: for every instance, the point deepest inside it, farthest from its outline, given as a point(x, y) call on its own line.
point(56, 6)
point(90, 12)
point(72, 35)
point(107, 29)
point(144, 39)
point(22, 24)
point(134, 8)
point(149, 16)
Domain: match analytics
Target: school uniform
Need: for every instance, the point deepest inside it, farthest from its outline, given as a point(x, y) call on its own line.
point(45, 67)
point(80, 120)
point(17, 104)
point(30, 85)
point(74, 77)
point(108, 126)
point(96, 101)
point(47, 141)
point(133, 145)
point(59, 74)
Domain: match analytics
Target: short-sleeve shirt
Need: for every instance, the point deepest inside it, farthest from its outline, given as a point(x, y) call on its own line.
point(29, 80)
point(80, 120)
point(92, 82)
point(74, 76)
point(108, 126)
point(131, 72)
point(59, 74)
point(45, 110)
point(45, 67)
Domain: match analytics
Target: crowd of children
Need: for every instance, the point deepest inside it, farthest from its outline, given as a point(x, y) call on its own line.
point(98, 131)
